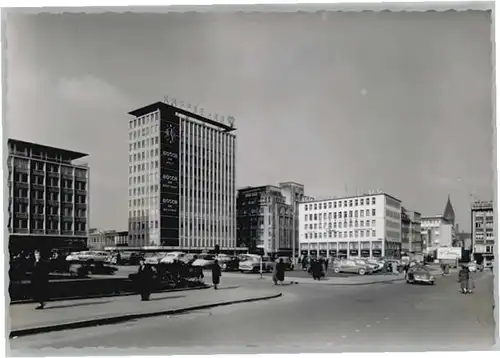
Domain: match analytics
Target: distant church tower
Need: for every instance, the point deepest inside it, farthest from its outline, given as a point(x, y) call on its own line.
point(449, 213)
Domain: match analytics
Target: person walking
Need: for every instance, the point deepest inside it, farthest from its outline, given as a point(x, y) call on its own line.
point(216, 274)
point(394, 268)
point(326, 264)
point(470, 282)
point(463, 278)
point(280, 271)
point(406, 268)
point(40, 281)
point(144, 280)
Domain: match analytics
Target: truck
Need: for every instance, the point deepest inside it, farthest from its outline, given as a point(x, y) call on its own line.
point(449, 255)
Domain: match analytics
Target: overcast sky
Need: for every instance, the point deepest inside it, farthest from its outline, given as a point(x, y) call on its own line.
point(400, 102)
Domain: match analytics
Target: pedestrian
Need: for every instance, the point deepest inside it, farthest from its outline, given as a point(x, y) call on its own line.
point(406, 268)
point(326, 264)
point(304, 264)
point(280, 271)
point(144, 280)
point(317, 269)
point(394, 268)
point(40, 280)
point(470, 282)
point(216, 274)
point(463, 278)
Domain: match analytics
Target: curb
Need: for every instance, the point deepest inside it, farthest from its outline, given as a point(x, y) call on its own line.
point(124, 318)
point(349, 284)
point(124, 294)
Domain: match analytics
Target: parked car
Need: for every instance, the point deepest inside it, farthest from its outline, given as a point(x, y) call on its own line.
point(420, 274)
point(229, 263)
point(130, 258)
point(287, 261)
point(252, 264)
point(100, 268)
point(204, 261)
point(170, 257)
point(373, 266)
point(474, 267)
point(88, 256)
point(378, 265)
point(351, 266)
point(154, 258)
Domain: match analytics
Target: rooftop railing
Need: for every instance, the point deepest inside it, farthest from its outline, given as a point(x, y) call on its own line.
point(75, 162)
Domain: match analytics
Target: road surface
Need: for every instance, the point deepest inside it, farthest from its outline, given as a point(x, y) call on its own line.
point(381, 317)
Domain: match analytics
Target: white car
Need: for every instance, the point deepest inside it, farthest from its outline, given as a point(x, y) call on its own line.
point(170, 257)
point(94, 256)
point(253, 263)
point(204, 261)
point(375, 265)
point(154, 258)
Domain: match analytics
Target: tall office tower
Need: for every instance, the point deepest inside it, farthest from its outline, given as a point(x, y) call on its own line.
point(181, 179)
point(48, 197)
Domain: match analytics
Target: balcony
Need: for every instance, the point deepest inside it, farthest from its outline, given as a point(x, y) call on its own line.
point(80, 233)
point(67, 190)
point(53, 174)
point(81, 191)
point(21, 199)
point(38, 231)
point(38, 186)
point(21, 215)
point(38, 200)
point(37, 171)
point(21, 184)
point(21, 230)
point(52, 232)
point(67, 232)
point(38, 215)
point(53, 189)
point(81, 205)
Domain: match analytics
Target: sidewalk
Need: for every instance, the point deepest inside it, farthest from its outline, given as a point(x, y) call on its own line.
point(25, 320)
point(330, 278)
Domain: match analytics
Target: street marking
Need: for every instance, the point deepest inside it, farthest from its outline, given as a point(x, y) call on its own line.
point(357, 330)
point(378, 322)
point(344, 337)
point(368, 326)
point(386, 318)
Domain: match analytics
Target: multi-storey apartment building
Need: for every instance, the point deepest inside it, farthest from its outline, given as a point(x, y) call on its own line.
point(438, 230)
point(411, 238)
point(294, 194)
point(368, 225)
point(181, 180)
point(265, 220)
point(483, 239)
point(48, 197)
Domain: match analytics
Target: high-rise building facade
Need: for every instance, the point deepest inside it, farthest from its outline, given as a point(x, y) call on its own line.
point(181, 179)
point(363, 226)
point(48, 197)
point(483, 237)
point(265, 220)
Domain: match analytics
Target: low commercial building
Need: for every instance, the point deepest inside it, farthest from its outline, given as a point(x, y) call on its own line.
point(367, 225)
point(100, 239)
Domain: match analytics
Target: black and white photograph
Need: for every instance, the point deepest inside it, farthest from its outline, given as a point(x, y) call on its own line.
point(232, 179)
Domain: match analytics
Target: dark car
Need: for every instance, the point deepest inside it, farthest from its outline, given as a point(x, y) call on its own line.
point(229, 263)
point(129, 258)
point(420, 274)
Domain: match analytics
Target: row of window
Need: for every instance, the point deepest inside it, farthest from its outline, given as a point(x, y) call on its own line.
point(50, 225)
point(346, 225)
point(51, 210)
point(335, 204)
point(339, 215)
point(345, 234)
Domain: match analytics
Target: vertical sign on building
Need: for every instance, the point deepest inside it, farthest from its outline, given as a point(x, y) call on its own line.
point(169, 178)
